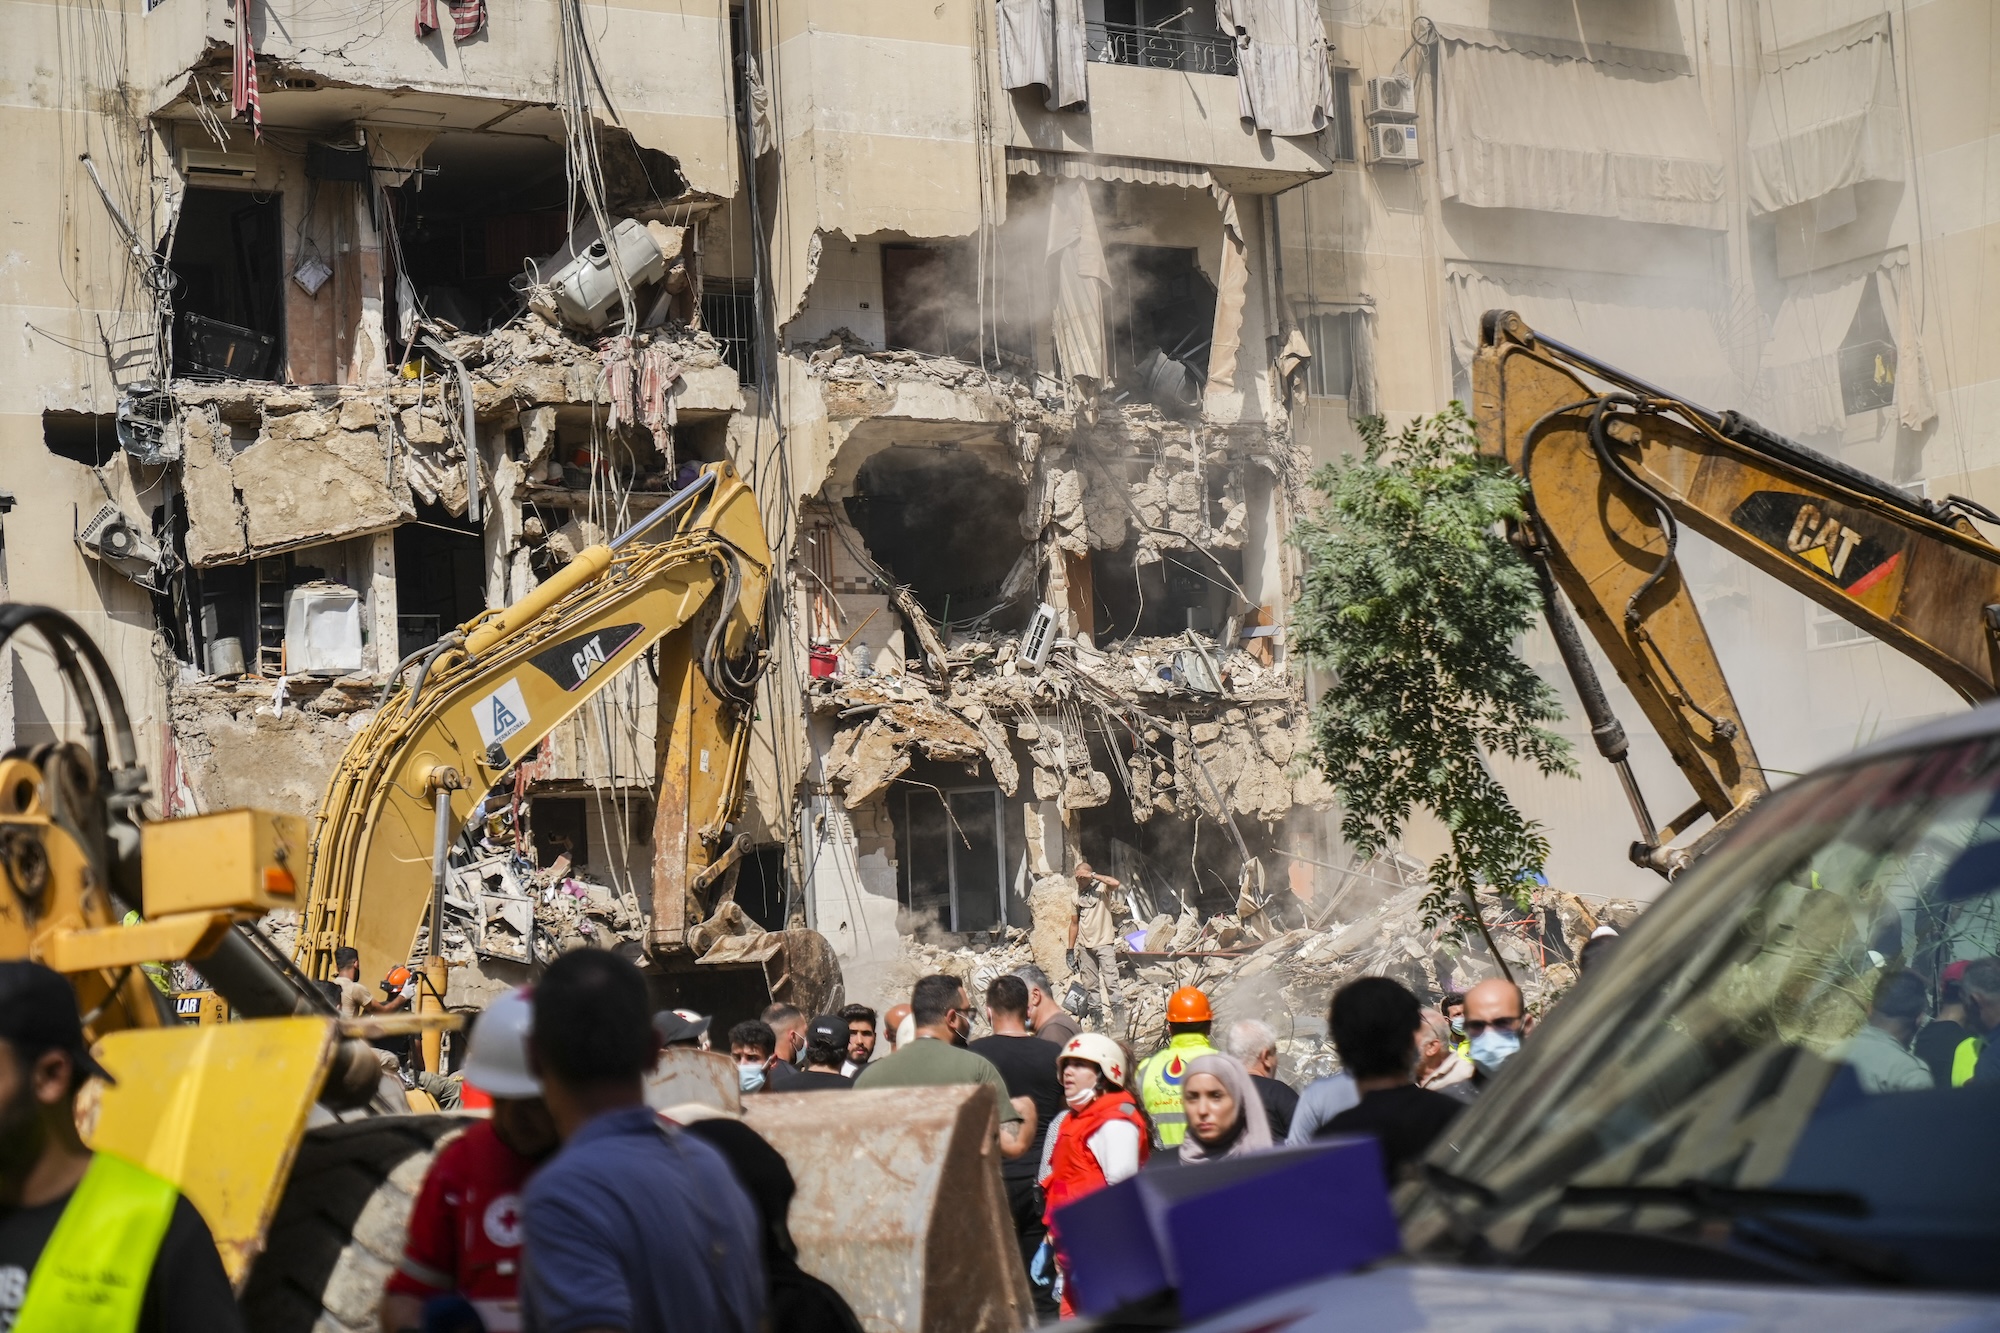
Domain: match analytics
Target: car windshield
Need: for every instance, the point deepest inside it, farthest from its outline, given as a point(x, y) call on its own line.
point(1759, 1083)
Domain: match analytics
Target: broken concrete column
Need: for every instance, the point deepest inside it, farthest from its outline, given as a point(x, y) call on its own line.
point(382, 632)
point(1052, 905)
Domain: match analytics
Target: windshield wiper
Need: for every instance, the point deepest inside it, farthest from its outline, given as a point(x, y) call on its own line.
point(1723, 1200)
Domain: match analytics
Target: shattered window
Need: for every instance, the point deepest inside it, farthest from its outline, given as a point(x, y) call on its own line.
point(1868, 357)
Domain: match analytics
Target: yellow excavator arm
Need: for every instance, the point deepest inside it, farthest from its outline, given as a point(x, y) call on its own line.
point(1611, 473)
point(487, 693)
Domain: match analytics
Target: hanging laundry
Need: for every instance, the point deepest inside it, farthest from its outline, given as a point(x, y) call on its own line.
point(639, 383)
point(1043, 44)
point(467, 18)
point(1283, 83)
point(243, 73)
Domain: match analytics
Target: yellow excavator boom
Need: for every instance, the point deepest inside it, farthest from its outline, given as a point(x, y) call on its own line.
point(1612, 471)
point(486, 694)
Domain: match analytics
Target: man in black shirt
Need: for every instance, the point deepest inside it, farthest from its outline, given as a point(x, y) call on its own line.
point(1028, 1064)
point(1254, 1043)
point(1375, 1022)
point(826, 1048)
point(57, 1198)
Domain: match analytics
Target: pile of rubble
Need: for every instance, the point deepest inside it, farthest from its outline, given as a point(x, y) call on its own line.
point(500, 906)
point(1235, 728)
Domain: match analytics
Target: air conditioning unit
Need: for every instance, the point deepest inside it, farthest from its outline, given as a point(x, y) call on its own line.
point(1392, 97)
point(1393, 143)
point(120, 542)
point(241, 164)
point(1039, 638)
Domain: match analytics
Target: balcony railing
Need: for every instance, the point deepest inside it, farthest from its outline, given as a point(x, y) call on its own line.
point(1161, 48)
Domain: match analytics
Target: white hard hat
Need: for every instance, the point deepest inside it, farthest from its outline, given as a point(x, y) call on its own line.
point(1099, 1050)
point(497, 1064)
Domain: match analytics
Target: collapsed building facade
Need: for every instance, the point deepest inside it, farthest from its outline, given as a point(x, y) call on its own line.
point(1027, 321)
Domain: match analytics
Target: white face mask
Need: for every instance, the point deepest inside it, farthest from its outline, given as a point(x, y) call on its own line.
point(1081, 1097)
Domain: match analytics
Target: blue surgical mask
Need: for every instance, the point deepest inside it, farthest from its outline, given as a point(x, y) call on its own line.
point(1458, 1029)
point(750, 1077)
point(1492, 1047)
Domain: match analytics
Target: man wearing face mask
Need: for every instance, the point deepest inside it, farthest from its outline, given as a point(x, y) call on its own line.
point(755, 1049)
point(1494, 1026)
point(936, 1058)
point(87, 1240)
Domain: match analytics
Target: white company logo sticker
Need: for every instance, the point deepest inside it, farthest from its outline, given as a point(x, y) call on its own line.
point(501, 713)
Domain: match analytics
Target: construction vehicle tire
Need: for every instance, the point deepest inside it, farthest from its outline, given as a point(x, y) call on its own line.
point(338, 1230)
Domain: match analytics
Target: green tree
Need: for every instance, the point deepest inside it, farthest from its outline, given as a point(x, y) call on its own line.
point(1413, 601)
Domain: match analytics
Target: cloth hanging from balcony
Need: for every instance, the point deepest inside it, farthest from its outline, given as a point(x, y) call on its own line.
point(1664, 330)
point(1826, 115)
point(1232, 284)
point(1283, 83)
point(1798, 385)
point(1076, 261)
point(1043, 45)
point(1621, 134)
point(467, 18)
point(243, 73)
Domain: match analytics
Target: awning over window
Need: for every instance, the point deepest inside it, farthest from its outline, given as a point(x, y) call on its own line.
point(1662, 330)
point(1798, 387)
point(1134, 170)
point(1827, 114)
point(1623, 134)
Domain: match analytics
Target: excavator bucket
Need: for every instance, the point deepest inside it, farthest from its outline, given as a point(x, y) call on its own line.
point(742, 974)
point(900, 1205)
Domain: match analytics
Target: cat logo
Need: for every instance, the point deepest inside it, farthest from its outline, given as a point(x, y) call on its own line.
point(573, 661)
point(1831, 546)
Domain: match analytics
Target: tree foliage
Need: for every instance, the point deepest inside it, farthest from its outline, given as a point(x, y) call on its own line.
point(1413, 600)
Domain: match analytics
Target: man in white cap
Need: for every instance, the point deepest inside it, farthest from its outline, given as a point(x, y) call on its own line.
point(465, 1231)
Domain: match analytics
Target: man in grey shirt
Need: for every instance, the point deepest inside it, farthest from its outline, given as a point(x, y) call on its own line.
point(1322, 1100)
point(1049, 1020)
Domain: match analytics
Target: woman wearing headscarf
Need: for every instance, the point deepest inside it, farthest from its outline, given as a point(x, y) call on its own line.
point(1098, 1140)
point(1225, 1116)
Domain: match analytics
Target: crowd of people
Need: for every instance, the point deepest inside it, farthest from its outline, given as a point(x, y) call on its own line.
point(572, 1204)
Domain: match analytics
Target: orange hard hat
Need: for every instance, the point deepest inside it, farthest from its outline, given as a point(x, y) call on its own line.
point(1189, 1005)
point(398, 976)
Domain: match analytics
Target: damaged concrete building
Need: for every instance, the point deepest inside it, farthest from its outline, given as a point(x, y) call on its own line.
point(1026, 319)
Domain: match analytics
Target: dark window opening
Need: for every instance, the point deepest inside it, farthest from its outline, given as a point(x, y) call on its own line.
point(729, 311)
point(89, 438)
point(1868, 356)
point(561, 827)
point(762, 886)
point(1330, 372)
point(229, 300)
point(440, 578)
point(494, 210)
point(942, 521)
point(1161, 34)
point(1184, 590)
point(1161, 318)
point(951, 858)
point(1343, 116)
point(929, 301)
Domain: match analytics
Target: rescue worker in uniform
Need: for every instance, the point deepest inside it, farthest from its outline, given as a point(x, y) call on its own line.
point(1159, 1076)
point(89, 1242)
point(1099, 1138)
point(464, 1238)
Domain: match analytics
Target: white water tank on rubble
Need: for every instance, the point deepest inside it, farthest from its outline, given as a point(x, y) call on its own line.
point(322, 630)
point(586, 288)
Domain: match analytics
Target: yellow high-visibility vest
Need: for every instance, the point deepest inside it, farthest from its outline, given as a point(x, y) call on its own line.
point(1159, 1078)
point(1965, 1060)
point(92, 1275)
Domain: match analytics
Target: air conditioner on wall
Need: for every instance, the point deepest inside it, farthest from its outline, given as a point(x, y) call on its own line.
point(1395, 144)
point(217, 162)
point(1392, 97)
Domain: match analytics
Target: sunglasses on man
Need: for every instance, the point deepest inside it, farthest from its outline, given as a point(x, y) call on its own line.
point(1475, 1026)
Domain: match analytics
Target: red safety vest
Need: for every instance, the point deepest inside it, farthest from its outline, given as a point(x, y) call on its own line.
point(1073, 1169)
